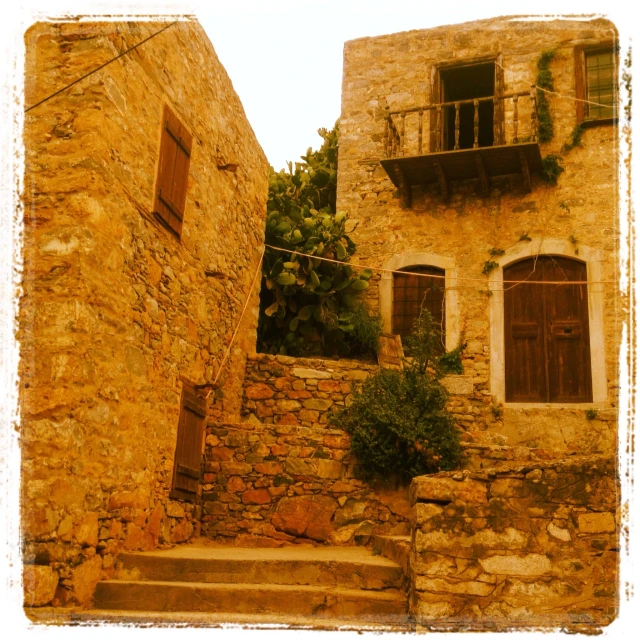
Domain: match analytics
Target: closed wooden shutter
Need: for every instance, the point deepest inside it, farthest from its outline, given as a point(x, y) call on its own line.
point(411, 293)
point(173, 173)
point(188, 458)
point(547, 349)
point(498, 137)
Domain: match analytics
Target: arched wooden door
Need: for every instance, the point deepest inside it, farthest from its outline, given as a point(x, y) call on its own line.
point(547, 353)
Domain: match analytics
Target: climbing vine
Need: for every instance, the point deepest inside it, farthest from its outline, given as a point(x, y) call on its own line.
point(545, 81)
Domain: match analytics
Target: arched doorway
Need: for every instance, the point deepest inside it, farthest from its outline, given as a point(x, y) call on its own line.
point(546, 331)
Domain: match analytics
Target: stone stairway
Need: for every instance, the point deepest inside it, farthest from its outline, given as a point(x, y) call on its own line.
point(300, 586)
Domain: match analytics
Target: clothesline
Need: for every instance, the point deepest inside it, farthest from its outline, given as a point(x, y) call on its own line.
point(428, 275)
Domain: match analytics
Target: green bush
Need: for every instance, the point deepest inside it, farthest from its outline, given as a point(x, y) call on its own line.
point(367, 329)
point(398, 421)
point(308, 305)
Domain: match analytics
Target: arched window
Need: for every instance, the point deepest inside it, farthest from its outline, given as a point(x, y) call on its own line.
point(411, 293)
point(546, 331)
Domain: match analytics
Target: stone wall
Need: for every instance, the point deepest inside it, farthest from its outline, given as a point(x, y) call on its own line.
point(268, 485)
point(534, 546)
point(304, 391)
point(116, 311)
point(577, 218)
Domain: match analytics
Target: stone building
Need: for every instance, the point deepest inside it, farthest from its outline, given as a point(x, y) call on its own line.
point(441, 167)
point(145, 196)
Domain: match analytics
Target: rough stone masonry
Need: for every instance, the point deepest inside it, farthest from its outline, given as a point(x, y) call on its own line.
point(116, 310)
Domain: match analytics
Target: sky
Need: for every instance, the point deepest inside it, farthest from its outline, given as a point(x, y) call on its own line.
point(284, 57)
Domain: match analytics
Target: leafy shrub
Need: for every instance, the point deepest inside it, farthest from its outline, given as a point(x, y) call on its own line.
point(398, 420)
point(451, 362)
point(367, 329)
point(307, 305)
point(544, 81)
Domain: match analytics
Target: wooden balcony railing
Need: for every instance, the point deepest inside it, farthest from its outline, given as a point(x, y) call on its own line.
point(496, 142)
point(397, 137)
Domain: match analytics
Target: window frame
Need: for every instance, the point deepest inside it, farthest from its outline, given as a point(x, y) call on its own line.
point(580, 53)
point(174, 159)
point(437, 279)
point(402, 260)
point(594, 259)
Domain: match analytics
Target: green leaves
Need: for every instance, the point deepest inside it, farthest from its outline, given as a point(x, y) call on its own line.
point(303, 300)
point(398, 420)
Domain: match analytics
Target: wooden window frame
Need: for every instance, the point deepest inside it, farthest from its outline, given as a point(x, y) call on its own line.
point(437, 97)
point(580, 54)
point(189, 444)
point(439, 272)
point(173, 173)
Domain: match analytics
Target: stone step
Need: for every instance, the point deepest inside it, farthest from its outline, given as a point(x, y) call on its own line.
point(395, 548)
point(264, 599)
point(346, 567)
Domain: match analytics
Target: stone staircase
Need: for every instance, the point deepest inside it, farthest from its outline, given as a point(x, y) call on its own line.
point(300, 586)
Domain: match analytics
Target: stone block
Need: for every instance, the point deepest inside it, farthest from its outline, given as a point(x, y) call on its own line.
point(174, 510)
point(317, 404)
point(86, 531)
point(300, 466)
point(85, 578)
point(270, 468)
point(329, 469)
point(256, 496)
point(429, 488)
point(444, 586)
point(300, 372)
point(287, 406)
point(307, 516)
point(138, 499)
point(259, 391)
point(459, 385)
point(425, 512)
point(603, 522)
point(40, 583)
point(235, 468)
point(533, 564)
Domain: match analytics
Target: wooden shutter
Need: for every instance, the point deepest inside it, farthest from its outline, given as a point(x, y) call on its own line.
point(568, 331)
point(413, 292)
point(547, 349)
point(173, 172)
point(188, 458)
point(435, 98)
point(525, 375)
point(581, 91)
point(499, 92)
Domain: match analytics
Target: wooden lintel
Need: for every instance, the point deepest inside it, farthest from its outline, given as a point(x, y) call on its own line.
point(526, 176)
point(403, 186)
point(482, 174)
point(442, 179)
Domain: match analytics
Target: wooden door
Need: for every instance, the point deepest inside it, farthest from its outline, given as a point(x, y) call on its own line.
point(188, 458)
point(547, 353)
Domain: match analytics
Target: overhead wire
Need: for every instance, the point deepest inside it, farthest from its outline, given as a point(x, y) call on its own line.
point(425, 275)
point(102, 66)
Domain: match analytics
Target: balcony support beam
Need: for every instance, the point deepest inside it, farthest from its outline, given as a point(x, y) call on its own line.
point(442, 179)
point(482, 174)
point(526, 176)
point(403, 186)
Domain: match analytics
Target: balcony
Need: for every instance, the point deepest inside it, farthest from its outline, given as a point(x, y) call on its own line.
point(479, 138)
